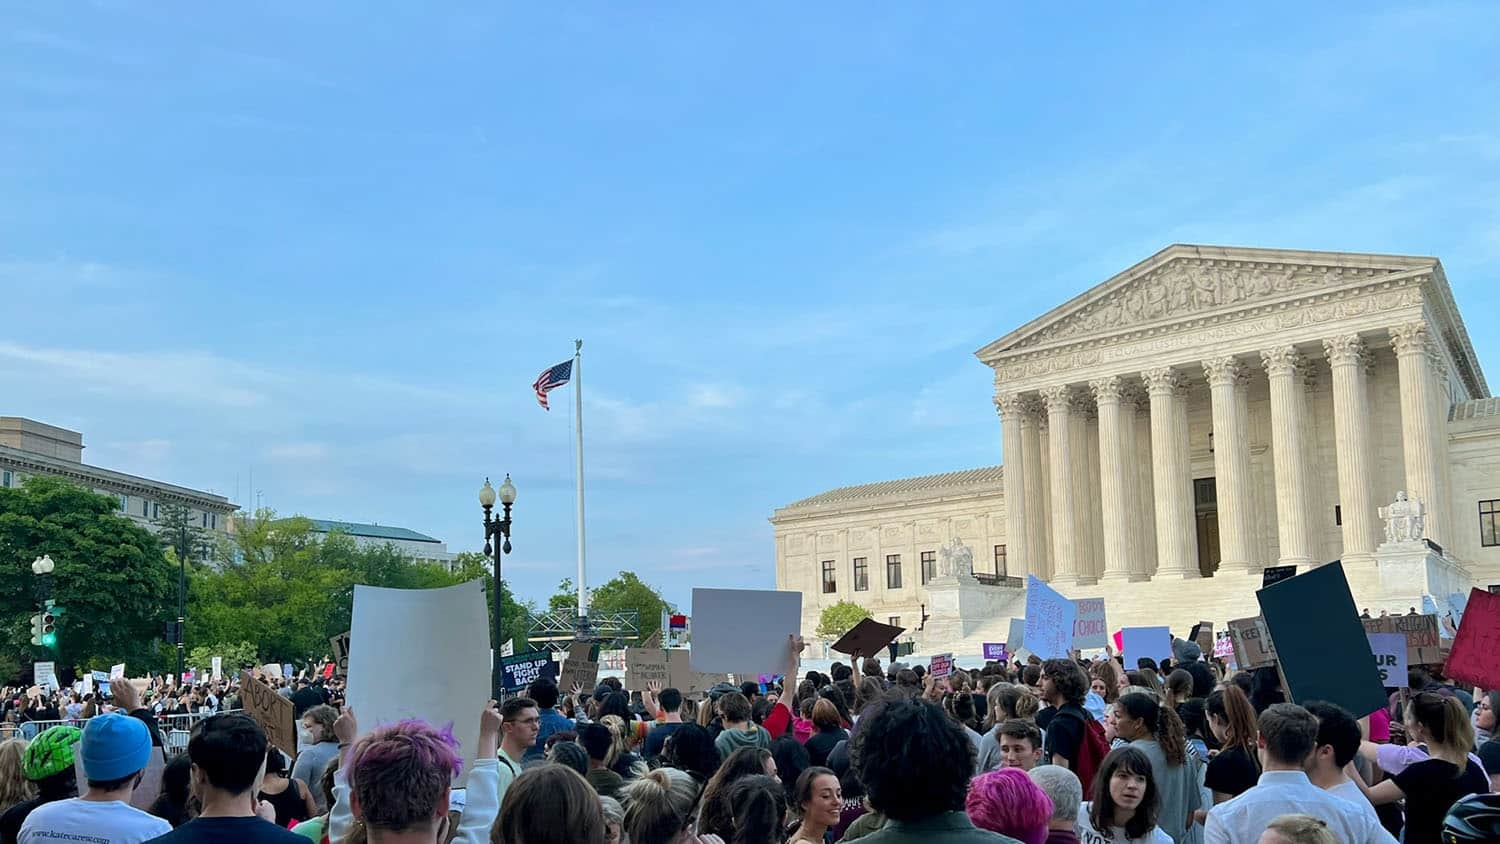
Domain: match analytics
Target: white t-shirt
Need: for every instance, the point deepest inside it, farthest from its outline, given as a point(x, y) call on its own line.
point(79, 821)
point(1087, 834)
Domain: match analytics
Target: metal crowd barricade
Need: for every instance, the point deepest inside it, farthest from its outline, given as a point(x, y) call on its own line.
point(176, 729)
point(29, 729)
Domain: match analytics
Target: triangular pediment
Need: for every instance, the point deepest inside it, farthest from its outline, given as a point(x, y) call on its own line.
point(1185, 282)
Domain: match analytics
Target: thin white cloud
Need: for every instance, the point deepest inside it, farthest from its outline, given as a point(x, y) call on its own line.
point(185, 377)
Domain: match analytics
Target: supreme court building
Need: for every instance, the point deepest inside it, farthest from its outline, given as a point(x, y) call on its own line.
point(1166, 435)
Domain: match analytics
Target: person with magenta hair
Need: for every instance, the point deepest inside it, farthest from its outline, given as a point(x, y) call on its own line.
point(1008, 802)
point(397, 779)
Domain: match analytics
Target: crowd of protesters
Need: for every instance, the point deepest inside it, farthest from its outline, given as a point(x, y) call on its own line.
point(1043, 752)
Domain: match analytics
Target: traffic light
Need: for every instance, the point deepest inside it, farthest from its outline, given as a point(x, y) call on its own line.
point(36, 629)
point(49, 628)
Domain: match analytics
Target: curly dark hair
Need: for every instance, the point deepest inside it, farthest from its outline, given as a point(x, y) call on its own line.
point(1067, 679)
point(913, 759)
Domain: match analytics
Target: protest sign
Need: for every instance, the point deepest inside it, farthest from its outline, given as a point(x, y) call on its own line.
point(996, 651)
point(743, 631)
point(1272, 575)
point(509, 648)
point(1475, 657)
point(274, 713)
point(1089, 630)
point(117, 671)
point(1204, 637)
point(272, 670)
point(86, 685)
point(101, 682)
point(216, 666)
point(867, 638)
point(1049, 620)
point(1223, 647)
point(579, 668)
point(421, 653)
point(340, 645)
point(190, 677)
point(46, 674)
point(1321, 644)
point(1251, 643)
point(1423, 645)
point(646, 665)
point(1389, 650)
point(521, 670)
point(940, 666)
point(688, 681)
point(1145, 643)
point(1017, 638)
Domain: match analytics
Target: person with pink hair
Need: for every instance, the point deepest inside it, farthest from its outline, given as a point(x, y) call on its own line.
point(1008, 802)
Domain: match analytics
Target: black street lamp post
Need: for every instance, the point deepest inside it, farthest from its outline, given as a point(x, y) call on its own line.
point(496, 546)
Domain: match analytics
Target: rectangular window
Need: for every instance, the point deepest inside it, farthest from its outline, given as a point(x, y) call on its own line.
point(929, 566)
point(124, 502)
point(213, 521)
point(861, 574)
point(145, 508)
point(894, 621)
point(155, 510)
point(830, 578)
point(893, 571)
point(205, 519)
point(1338, 514)
point(1000, 561)
point(1489, 512)
point(5, 478)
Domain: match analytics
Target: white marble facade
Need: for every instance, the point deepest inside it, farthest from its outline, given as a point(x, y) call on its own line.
point(1308, 386)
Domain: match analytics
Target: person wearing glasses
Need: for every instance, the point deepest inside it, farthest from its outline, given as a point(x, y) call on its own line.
point(520, 722)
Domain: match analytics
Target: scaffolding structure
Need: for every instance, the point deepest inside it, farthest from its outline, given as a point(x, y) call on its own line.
point(609, 630)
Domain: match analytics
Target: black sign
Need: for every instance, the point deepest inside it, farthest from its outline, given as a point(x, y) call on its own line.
point(522, 670)
point(1276, 574)
point(1321, 641)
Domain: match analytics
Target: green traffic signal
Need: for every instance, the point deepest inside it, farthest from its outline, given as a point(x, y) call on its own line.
point(49, 639)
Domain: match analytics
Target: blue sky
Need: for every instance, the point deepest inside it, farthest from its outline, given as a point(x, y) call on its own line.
point(333, 246)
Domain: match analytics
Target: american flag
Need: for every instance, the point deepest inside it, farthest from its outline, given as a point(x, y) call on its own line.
point(551, 379)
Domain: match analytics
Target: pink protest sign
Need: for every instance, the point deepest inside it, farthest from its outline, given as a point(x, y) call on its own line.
point(1475, 657)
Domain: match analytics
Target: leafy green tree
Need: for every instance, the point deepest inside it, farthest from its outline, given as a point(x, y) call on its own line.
point(565, 599)
point(187, 540)
point(838, 618)
point(235, 656)
point(626, 591)
point(112, 580)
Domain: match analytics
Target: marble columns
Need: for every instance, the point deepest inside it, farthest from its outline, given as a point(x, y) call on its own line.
point(1063, 508)
point(1228, 385)
point(1284, 368)
point(1420, 428)
point(1172, 476)
point(1112, 461)
point(1037, 562)
point(1012, 409)
point(1351, 422)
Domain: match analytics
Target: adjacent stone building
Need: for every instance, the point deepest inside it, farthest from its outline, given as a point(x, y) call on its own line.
point(1205, 413)
point(28, 447)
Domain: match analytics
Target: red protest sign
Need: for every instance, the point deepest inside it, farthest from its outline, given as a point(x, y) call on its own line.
point(1475, 657)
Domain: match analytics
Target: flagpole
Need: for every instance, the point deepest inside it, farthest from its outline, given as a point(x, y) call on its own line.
point(583, 605)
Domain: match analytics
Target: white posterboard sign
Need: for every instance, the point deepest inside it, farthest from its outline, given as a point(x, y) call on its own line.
point(1017, 638)
point(509, 648)
point(272, 669)
point(1390, 657)
point(217, 664)
point(1049, 620)
point(744, 631)
point(117, 671)
point(46, 674)
point(421, 653)
point(1089, 629)
point(1148, 642)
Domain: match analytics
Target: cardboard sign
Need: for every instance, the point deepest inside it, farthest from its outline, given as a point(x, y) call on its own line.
point(672, 668)
point(521, 670)
point(274, 713)
point(1205, 637)
point(1389, 650)
point(1322, 649)
point(1017, 638)
point(1146, 643)
point(578, 669)
point(1275, 574)
point(1049, 620)
point(867, 638)
point(1250, 643)
point(1475, 657)
point(46, 674)
point(1423, 643)
point(1089, 629)
point(687, 680)
point(941, 666)
point(743, 631)
point(340, 646)
point(996, 651)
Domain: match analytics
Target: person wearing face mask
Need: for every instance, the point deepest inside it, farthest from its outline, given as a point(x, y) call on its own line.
point(1125, 802)
point(319, 747)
